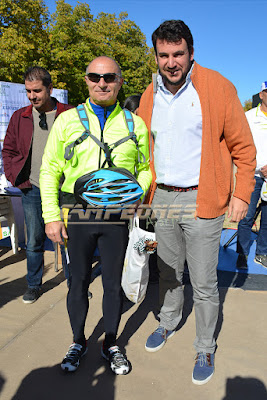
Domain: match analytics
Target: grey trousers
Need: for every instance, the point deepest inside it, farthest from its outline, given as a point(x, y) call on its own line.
point(182, 237)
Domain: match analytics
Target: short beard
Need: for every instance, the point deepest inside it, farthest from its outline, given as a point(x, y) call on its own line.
point(180, 82)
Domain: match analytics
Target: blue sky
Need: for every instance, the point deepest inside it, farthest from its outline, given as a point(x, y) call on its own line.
point(229, 35)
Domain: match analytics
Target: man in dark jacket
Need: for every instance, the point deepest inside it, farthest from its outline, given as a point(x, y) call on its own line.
point(22, 153)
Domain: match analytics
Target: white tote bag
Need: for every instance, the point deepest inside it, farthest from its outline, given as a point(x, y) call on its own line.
point(135, 272)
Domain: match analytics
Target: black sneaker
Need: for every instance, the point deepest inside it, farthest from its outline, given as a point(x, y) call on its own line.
point(71, 361)
point(117, 361)
point(31, 295)
point(241, 262)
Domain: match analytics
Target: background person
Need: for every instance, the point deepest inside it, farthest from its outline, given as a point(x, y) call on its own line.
point(132, 103)
point(197, 127)
point(257, 119)
point(22, 152)
point(107, 123)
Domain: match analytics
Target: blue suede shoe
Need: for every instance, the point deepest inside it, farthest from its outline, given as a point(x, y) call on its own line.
point(158, 338)
point(204, 368)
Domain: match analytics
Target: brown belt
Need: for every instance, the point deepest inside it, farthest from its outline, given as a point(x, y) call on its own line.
point(176, 189)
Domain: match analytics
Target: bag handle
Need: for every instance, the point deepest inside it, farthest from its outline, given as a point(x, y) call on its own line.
point(133, 222)
point(136, 220)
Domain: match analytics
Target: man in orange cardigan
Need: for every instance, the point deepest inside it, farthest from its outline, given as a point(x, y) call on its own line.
point(197, 130)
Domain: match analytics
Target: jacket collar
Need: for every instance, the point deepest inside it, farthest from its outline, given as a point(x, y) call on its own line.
point(194, 70)
point(27, 112)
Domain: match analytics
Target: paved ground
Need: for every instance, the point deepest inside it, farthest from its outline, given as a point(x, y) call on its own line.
point(35, 337)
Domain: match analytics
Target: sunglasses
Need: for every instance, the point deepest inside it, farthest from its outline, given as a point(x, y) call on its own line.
point(108, 78)
point(43, 123)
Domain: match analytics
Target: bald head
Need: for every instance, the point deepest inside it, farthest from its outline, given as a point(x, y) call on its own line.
point(104, 80)
point(104, 59)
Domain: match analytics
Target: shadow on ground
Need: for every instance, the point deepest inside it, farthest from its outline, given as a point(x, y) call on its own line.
point(93, 380)
point(11, 290)
point(239, 388)
point(13, 259)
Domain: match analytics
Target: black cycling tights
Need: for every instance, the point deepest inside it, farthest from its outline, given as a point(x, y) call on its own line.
point(111, 241)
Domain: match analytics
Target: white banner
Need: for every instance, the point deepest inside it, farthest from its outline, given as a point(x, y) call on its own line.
point(12, 97)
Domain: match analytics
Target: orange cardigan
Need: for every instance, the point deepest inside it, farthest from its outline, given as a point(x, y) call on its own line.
point(226, 138)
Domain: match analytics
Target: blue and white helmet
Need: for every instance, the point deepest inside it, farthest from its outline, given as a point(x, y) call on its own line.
point(107, 186)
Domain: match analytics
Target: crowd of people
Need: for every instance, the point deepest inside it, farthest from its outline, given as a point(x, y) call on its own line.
point(177, 148)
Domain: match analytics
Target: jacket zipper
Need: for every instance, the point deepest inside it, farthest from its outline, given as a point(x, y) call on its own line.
point(102, 137)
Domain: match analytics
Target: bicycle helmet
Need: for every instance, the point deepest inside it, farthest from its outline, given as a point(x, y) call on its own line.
point(107, 186)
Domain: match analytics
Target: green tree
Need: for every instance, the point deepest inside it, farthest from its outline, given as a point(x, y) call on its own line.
point(23, 37)
point(121, 39)
point(76, 38)
point(67, 41)
point(68, 49)
point(247, 105)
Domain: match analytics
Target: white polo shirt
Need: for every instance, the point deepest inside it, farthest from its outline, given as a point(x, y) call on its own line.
point(258, 124)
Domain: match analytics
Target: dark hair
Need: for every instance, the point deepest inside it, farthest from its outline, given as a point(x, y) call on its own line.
point(36, 73)
point(173, 31)
point(132, 102)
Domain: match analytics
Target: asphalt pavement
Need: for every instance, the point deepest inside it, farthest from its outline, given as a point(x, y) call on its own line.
point(35, 337)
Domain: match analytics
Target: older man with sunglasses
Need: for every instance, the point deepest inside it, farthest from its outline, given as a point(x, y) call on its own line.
point(23, 149)
point(107, 125)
